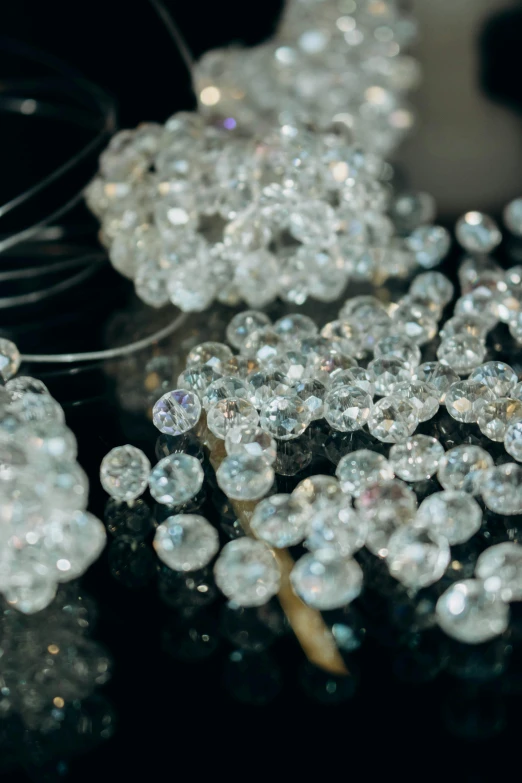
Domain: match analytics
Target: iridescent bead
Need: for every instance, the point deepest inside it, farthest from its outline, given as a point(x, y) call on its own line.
point(497, 376)
point(415, 558)
point(9, 359)
point(253, 441)
point(176, 479)
point(462, 353)
point(242, 477)
point(186, 542)
point(176, 412)
point(124, 473)
point(471, 614)
point(463, 468)
point(347, 408)
point(281, 520)
point(513, 440)
point(243, 324)
point(392, 419)
point(495, 417)
point(417, 458)
point(422, 396)
point(231, 412)
point(211, 353)
point(224, 388)
point(452, 514)
point(313, 394)
point(285, 417)
point(326, 581)
point(359, 469)
point(400, 347)
point(501, 489)
point(500, 569)
point(477, 232)
point(430, 244)
point(247, 572)
point(464, 400)
point(438, 376)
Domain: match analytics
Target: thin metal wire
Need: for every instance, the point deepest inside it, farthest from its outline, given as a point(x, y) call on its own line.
point(52, 290)
point(175, 33)
point(51, 269)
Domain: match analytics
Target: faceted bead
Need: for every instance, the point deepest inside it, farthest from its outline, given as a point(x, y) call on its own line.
point(231, 412)
point(243, 324)
point(516, 394)
point(252, 441)
point(356, 376)
point(477, 232)
point(242, 477)
point(285, 417)
point(422, 396)
point(438, 376)
point(313, 222)
point(465, 323)
point(497, 376)
point(186, 542)
point(124, 473)
point(360, 469)
point(327, 364)
point(31, 407)
point(385, 506)
point(198, 378)
point(340, 529)
point(400, 347)
point(263, 385)
point(23, 384)
point(224, 388)
point(263, 345)
point(462, 353)
point(240, 366)
point(292, 363)
point(9, 359)
point(415, 322)
point(44, 440)
point(387, 372)
point(69, 485)
point(417, 458)
point(392, 419)
point(461, 468)
point(500, 568)
point(495, 417)
point(326, 581)
point(481, 303)
point(433, 286)
point(452, 514)
point(501, 489)
point(313, 394)
point(281, 520)
point(464, 400)
point(430, 244)
point(213, 354)
point(176, 412)
point(320, 493)
point(176, 479)
point(256, 277)
point(347, 408)
point(247, 572)
point(416, 559)
point(513, 440)
point(512, 216)
point(344, 336)
point(469, 613)
point(294, 326)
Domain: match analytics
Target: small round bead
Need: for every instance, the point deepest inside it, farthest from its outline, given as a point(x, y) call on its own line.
point(400, 347)
point(500, 568)
point(285, 418)
point(462, 353)
point(9, 359)
point(464, 400)
point(512, 216)
point(281, 520)
point(434, 286)
point(295, 326)
point(497, 376)
point(198, 378)
point(477, 232)
point(430, 244)
point(224, 388)
point(438, 376)
point(501, 489)
point(176, 479)
point(513, 440)
point(243, 324)
point(422, 396)
point(23, 384)
point(326, 581)
point(247, 572)
point(176, 412)
point(392, 419)
point(232, 412)
point(313, 394)
point(495, 417)
point(417, 458)
point(462, 468)
point(387, 372)
point(415, 558)
point(242, 477)
point(471, 614)
point(347, 408)
point(211, 353)
point(124, 472)
point(357, 470)
point(453, 514)
point(186, 542)
point(253, 441)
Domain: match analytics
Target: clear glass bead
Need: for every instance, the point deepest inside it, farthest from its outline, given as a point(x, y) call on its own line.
point(9, 359)
point(433, 286)
point(242, 477)
point(198, 378)
point(495, 417)
point(211, 353)
point(438, 376)
point(417, 458)
point(124, 473)
point(176, 412)
point(281, 520)
point(176, 479)
point(466, 323)
point(320, 493)
point(340, 529)
point(387, 372)
point(422, 396)
point(430, 244)
point(344, 337)
point(252, 441)
point(23, 384)
point(500, 569)
point(501, 489)
point(464, 400)
point(347, 408)
point(477, 232)
point(285, 417)
point(231, 412)
point(243, 324)
point(247, 572)
point(414, 321)
point(392, 419)
point(224, 388)
point(329, 363)
point(512, 216)
point(313, 222)
point(385, 507)
point(263, 385)
point(263, 345)
point(461, 468)
point(462, 353)
point(513, 440)
point(294, 326)
point(452, 514)
point(48, 440)
point(360, 469)
point(313, 394)
point(31, 407)
point(400, 347)
point(469, 613)
point(415, 558)
point(257, 277)
point(497, 376)
point(186, 542)
point(326, 581)
point(356, 376)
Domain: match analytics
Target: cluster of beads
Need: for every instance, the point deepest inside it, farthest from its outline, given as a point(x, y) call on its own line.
point(329, 60)
point(46, 534)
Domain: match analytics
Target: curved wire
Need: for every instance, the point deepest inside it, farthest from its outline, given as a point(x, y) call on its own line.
point(50, 269)
point(52, 290)
point(175, 34)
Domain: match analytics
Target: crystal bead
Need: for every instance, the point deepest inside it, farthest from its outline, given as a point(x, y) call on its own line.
point(213, 354)
point(356, 376)
point(422, 396)
point(326, 581)
point(513, 440)
point(462, 353)
point(176, 412)
point(344, 337)
point(295, 326)
point(242, 477)
point(400, 347)
point(186, 542)
point(465, 323)
point(264, 385)
point(243, 324)
point(500, 569)
point(44, 440)
point(512, 216)
point(461, 468)
point(231, 412)
point(326, 365)
point(347, 408)
point(313, 222)
point(320, 493)
point(256, 277)
point(292, 363)
point(501, 489)
point(495, 417)
point(72, 540)
point(281, 520)
point(385, 506)
point(340, 529)
point(433, 286)
point(247, 572)
point(415, 322)
point(469, 613)
point(198, 378)
point(69, 485)
point(285, 417)
point(312, 393)
point(416, 559)
point(477, 232)
point(224, 388)
point(438, 376)
point(240, 366)
point(23, 384)
point(263, 345)
point(392, 419)
point(387, 372)
point(452, 514)
point(464, 400)
point(430, 244)
point(31, 407)
point(252, 441)
point(497, 376)
point(417, 458)
point(176, 479)
point(516, 394)
point(481, 303)
point(360, 469)
point(124, 473)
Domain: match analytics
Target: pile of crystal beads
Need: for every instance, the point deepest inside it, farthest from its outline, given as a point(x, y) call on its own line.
point(193, 212)
point(330, 60)
point(46, 534)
